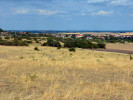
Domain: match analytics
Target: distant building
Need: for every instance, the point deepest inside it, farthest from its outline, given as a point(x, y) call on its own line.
point(117, 35)
point(22, 32)
point(89, 38)
point(79, 35)
point(57, 36)
point(63, 36)
point(36, 33)
point(70, 36)
point(127, 36)
point(4, 32)
point(102, 38)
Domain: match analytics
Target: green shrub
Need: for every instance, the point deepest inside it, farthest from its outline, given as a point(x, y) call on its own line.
point(122, 41)
point(72, 50)
point(52, 42)
point(80, 43)
point(44, 44)
point(14, 43)
point(36, 48)
point(7, 37)
point(101, 45)
point(37, 41)
point(58, 48)
point(21, 57)
point(131, 58)
point(95, 46)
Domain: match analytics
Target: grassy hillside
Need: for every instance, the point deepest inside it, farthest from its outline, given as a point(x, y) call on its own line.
point(52, 74)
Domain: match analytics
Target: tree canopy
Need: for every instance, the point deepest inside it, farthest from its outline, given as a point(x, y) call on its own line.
point(1, 30)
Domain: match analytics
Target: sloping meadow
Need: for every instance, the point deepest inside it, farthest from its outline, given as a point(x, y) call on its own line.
point(58, 74)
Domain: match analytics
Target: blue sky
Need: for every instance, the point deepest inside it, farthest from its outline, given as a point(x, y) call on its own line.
point(66, 14)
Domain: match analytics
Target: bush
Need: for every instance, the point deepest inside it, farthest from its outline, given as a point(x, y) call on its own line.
point(28, 41)
point(19, 43)
point(52, 42)
point(14, 43)
point(58, 48)
point(37, 41)
point(44, 44)
point(80, 44)
point(121, 41)
point(36, 48)
point(131, 58)
point(7, 37)
point(95, 46)
point(69, 44)
point(72, 50)
point(101, 45)
point(20, 38)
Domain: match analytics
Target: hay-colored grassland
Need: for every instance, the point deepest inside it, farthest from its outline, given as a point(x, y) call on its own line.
point(120, 46)
point(100, 33)
point(52, 74)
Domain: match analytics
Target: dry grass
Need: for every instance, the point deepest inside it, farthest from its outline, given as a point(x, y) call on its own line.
point(102, 33)
point(118, 46)
point(52, 74)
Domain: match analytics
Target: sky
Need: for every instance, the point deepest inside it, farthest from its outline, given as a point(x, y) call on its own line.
point(66, 14)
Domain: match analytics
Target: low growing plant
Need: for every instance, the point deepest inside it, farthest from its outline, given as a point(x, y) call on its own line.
point(72, 50)
point(36, 48)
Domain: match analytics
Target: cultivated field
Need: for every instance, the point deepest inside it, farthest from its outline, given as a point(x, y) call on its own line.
point(52, 74)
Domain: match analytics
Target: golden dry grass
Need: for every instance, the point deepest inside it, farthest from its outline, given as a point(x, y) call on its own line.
point(120, 46)
point(52, 74)
point(101, 33)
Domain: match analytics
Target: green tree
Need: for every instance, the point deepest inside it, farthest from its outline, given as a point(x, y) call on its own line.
point(1, 30)
point(101, 45)
point(52, 42)
point(7, 37)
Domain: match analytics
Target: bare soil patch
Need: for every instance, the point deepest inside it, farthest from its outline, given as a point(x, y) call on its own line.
point(115, 50)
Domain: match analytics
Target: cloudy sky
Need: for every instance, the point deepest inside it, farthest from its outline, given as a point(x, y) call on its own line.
point(66, 14)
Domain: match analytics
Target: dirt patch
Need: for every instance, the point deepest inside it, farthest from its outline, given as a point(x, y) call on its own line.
point(113, 50)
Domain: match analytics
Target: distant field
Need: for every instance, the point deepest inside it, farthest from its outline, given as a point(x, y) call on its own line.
point(52, 74)
point(118, 46)
point(101, 33)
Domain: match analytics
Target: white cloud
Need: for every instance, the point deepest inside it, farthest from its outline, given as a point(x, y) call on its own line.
point(112, 2)
point(45, 12)
point(103, 13)
point(22, 11)
point(34, 11)
point(121, 2)
point(83, 14)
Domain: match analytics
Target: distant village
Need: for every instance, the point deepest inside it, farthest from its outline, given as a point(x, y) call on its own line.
point(80, 40)
point(88, 36)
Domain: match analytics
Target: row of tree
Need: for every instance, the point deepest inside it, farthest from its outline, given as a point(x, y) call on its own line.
point(18, 40)
point(69, 43)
